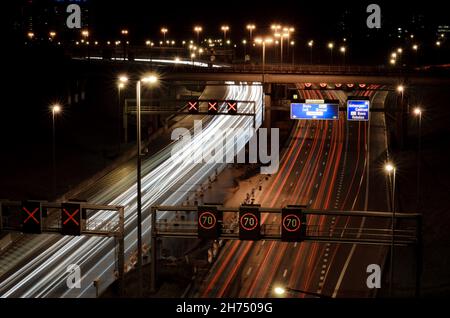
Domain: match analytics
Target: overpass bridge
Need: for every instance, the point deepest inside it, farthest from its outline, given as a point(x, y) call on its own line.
point(188, 70)
point(314, 74)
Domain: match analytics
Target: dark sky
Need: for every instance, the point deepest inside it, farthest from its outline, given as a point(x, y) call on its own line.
point(311, 17)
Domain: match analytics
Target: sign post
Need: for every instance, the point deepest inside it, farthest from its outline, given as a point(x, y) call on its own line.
point(293, 224)
point(208, 219)
point(315, 110)
point(249, 223)
point(31, 212)
point(358, 109)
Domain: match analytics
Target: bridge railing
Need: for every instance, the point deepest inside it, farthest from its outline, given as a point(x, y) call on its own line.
point(311, 69)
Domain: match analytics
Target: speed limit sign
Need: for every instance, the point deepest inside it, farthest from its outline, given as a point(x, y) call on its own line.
point(249, 223)
point(208, 220)
point(293, 224)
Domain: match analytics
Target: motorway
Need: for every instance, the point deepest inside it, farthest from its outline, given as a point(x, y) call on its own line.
point(163, 182)
point(323, 167)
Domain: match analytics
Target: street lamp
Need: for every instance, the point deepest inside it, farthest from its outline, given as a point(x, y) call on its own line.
point(311, 44)
point(30, 35)
point(415, 47)
point(401, 89)
point(391, 170)
point(281, 291)
point(164, 31)
point(399, 50)
point(122, 82)
point(263, 42)
point(52, 34)
point(343, 49)
point(288, 31)
point(331, 46)
point(292, 43)
point(418, 114)
point(56, 109)
point(275, 27)
point(225, 29)
point(198, 29)
point(149, 80)
point(281, 36)
point(124, 32)
point(251, 28)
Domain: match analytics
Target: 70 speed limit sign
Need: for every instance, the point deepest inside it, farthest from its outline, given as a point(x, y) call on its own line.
point(208, 222)
point(249, 223)
point(293, 224)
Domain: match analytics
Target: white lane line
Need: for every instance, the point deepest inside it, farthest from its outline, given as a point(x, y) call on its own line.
point(249, 271)
point(285, 273)
point(341, 276)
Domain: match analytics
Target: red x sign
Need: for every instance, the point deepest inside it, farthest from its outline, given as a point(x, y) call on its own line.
point(212, 106)
point(232, 106)
point(192, 105)
point(31, 215)
point(71, 216)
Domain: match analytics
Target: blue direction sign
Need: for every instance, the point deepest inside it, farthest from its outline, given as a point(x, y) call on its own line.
point(358, 110)
point(315, 110)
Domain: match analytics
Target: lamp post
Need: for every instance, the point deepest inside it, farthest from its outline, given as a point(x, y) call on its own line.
point(292, 43)
point(120, 85)
point(85, 35)
point(151, 80)
point(197, 30)
point(401, 90)
point(56, 109)
point(124, 33)
point(311, 44)
point(343, 50)
point(244, 44)
point(263, 42)
point(418, 113)
point(415, 48)
point(390, 169)
point(251, 28)
point(288, 31)
point(225, 29)
point(164, 31)
point(331, 46)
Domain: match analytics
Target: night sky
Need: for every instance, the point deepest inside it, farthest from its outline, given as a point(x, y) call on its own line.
point(310, 17)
